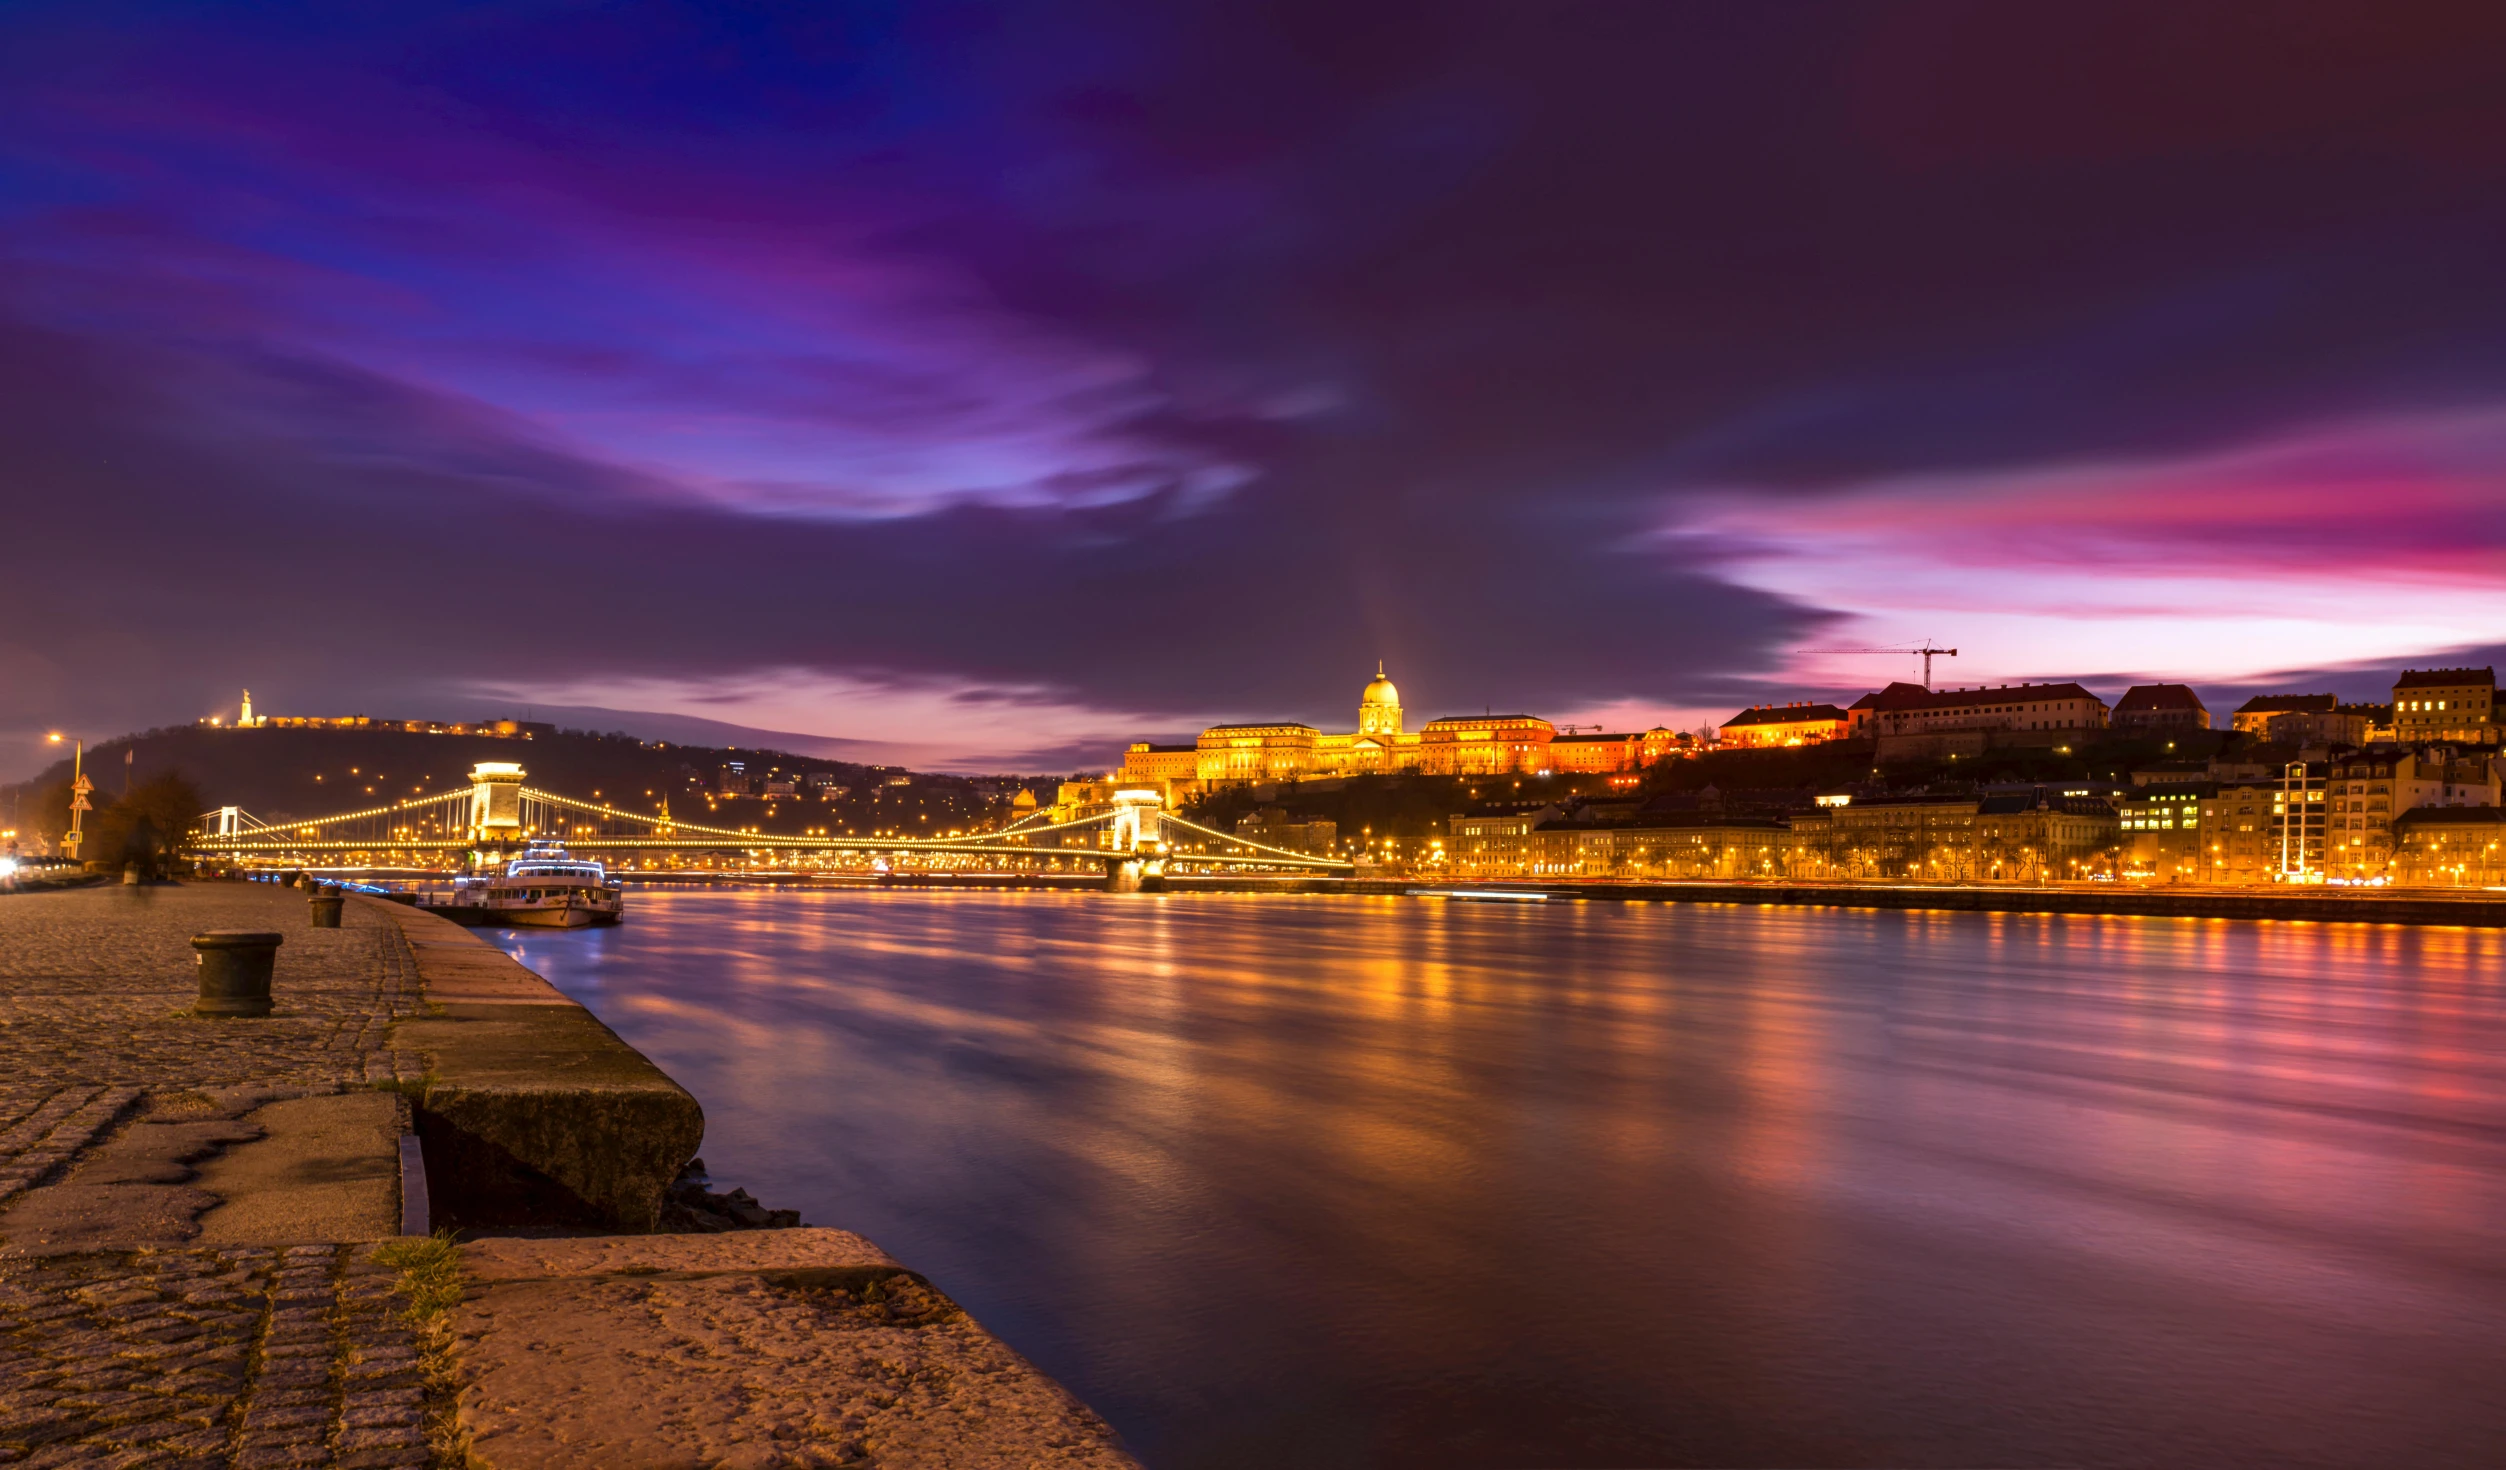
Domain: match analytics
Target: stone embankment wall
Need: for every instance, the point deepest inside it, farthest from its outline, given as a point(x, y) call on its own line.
point(530, 1110)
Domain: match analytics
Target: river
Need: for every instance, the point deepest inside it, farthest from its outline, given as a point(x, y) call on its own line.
point(1328, 1182)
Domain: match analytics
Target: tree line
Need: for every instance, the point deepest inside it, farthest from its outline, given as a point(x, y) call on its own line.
point(146, 827)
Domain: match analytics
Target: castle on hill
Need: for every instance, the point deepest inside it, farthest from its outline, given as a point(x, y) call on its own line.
point(1454, 745)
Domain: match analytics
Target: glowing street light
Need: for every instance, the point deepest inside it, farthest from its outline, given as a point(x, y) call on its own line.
point(79, 787)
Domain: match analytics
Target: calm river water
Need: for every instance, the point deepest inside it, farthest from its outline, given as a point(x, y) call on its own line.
point(1351, 1182)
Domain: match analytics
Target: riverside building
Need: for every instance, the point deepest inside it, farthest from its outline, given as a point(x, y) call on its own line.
point(2161, 829)
point(2460, 847)
point(2267, 831)
point(2372, 790)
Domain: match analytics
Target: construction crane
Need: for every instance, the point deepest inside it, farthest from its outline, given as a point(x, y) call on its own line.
point(1927, 650)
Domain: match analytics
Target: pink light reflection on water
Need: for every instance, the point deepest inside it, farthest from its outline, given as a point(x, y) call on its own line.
point(1377, 1181)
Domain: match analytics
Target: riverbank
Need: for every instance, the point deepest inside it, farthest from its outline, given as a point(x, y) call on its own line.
point(2299, 903)
point(191, 1212)
point(2303, 904)
point(48, 879)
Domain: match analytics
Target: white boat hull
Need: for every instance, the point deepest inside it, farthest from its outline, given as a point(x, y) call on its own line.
point(554, 917)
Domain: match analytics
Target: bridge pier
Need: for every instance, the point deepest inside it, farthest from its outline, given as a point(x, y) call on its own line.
point(1135, 873)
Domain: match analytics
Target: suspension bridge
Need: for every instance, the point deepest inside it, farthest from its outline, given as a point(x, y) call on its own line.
point(1134, 840)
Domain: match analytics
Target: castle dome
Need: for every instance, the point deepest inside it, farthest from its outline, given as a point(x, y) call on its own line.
point(1379, 692)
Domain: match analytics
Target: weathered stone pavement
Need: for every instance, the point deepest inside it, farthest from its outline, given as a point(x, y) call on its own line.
point(760, 1350)
point(96, 987)
point(129, 1336)
point(190, 1211)
point(247, 1357)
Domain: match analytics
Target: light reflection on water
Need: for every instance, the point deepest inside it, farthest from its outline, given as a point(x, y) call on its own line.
point(1352, 1181)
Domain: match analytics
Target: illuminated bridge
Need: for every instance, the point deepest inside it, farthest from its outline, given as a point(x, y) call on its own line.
point(1133, 841)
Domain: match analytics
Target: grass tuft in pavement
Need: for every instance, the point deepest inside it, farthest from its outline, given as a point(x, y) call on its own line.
point(430, 1274)
point(430, 1278)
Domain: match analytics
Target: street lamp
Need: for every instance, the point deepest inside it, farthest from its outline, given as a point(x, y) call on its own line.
point(79, 787)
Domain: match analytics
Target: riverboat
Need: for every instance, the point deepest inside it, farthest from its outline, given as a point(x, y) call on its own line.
point(545, 888)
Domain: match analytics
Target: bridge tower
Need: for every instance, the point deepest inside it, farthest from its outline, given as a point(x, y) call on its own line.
point(495, 804)
point(1138, 841)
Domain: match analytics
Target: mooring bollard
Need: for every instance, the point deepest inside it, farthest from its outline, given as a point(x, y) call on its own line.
point(326, 903)
point(235, 971)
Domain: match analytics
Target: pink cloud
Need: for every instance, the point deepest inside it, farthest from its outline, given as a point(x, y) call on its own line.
point(2363, 540)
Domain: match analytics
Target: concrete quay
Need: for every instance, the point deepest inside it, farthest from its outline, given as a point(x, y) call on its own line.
point(201, 1258)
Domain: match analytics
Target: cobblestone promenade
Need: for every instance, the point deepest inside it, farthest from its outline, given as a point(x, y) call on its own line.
point(135, 1330)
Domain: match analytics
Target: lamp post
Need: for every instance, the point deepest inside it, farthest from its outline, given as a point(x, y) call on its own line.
point(79, 787)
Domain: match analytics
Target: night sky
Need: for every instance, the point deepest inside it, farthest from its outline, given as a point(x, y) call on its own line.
point(996, 385)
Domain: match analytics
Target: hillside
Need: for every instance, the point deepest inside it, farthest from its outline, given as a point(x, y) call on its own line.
point(293, 774)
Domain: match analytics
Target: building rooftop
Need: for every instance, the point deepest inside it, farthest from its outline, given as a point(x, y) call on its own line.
point(2451, 816)
point(2174, 791)
point(2444, 678)
point(2289, 704)
point(2159, 697)
point(1784, 714)
point(2076, 806)
point(1680, 821)
point(1903, 696)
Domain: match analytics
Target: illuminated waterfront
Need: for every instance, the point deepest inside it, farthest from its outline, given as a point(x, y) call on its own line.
point(1347, 1181)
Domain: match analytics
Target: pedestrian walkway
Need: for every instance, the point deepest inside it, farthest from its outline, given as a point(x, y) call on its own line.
point(252, 1357)
point(191, 1213)
point(187, 1206)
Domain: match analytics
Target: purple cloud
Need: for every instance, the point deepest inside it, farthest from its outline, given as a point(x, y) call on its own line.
point(1162, 365)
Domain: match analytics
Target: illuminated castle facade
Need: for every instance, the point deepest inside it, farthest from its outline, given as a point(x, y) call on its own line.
point(1460, 745)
